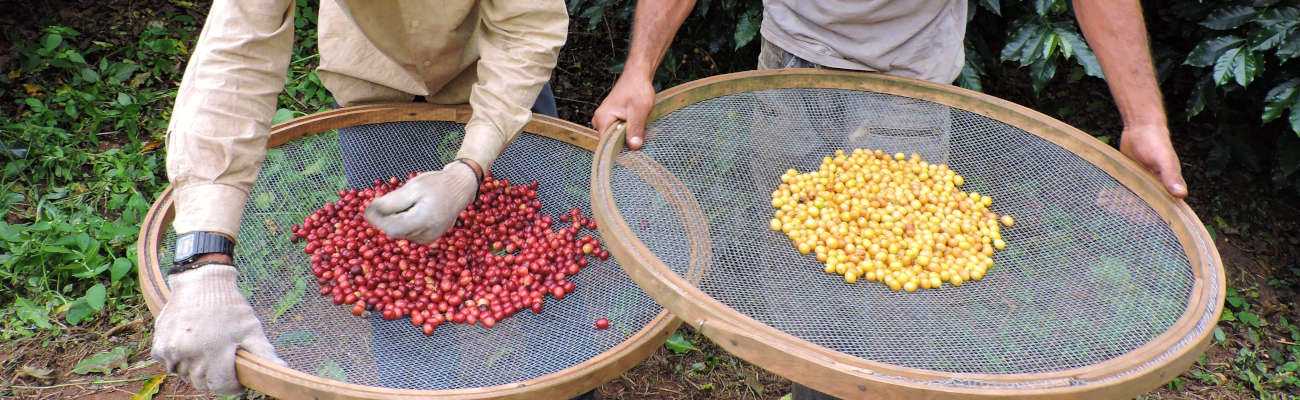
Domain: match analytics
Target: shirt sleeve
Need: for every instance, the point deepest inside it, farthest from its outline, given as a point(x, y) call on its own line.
point(216, 139)
point(518, 44)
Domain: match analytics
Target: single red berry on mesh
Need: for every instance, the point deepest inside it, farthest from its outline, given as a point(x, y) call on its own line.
point(602, 324)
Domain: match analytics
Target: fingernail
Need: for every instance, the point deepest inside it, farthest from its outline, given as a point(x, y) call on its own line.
point(634, 141)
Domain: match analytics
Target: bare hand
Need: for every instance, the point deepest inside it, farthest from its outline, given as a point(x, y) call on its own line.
point(630, 100)
point(1149, 145)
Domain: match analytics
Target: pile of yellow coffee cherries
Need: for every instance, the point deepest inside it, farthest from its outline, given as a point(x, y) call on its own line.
point(896, 220)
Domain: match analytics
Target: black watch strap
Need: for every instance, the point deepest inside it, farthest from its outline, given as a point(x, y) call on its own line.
point(191, 245)
point(190, 266)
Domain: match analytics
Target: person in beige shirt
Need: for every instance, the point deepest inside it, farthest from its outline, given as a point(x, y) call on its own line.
point(495, 55)
point(914, 39)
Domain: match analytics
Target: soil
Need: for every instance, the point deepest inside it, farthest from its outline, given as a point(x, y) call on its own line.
point(1257, 233)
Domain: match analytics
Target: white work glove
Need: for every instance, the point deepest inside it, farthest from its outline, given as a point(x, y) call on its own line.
point(427, 205)
point(204, 322)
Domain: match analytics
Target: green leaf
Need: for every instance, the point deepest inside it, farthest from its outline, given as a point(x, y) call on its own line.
point(1019, 39)
point(1219, 336)
point(282, 115)
point(1206, 52)
point(1228, 316)
point(1082, 53)
point(1041, 73)
point(1224, 68)
point(679, 344)
point(96, 296)
point(89, 75)
point(150, 388)
point(1290, 48)
point(120, 268)
point(263, 200)
point(8, 232)
point(969, 78)
point(1032, 52)
point(103, 363)
point(747, 28)
point(1250, 318)
point(1050, 42)
point(296, 338)
point(1247, 66)
point(124, 99)
point(34, 104)
point(1279, 98)
point(32, 313)
point(1295, 121)
point(1290, 366)
point(1279, 18)
point(332, 370)
point(1202, 95)
point(93, 272)
point(78, 311)
point(1229, 17)
point(1042, 7)
point(290, 299)
point(992, 5)
point(51, 41)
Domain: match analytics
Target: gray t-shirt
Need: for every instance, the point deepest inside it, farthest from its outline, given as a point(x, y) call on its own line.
point(916, 39)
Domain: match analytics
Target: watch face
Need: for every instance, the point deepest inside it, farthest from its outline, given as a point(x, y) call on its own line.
point(184, 247)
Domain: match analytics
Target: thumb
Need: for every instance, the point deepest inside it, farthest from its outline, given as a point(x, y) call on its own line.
point(389, 204)
point(1174, 183)
point(635, 129)
point(260, 346)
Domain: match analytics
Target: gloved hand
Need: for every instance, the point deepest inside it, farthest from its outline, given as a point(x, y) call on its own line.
point(427, 205)
point(203, 324)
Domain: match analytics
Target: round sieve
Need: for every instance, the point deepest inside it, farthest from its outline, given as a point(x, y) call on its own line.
point(1108, 287)
point(332, 354)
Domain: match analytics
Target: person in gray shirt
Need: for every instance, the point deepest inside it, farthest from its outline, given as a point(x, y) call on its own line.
point(913, 39)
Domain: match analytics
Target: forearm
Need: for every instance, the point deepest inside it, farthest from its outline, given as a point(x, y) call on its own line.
point(1118, 35)
point(519, 43)
point(653, 28)
point(217, 134)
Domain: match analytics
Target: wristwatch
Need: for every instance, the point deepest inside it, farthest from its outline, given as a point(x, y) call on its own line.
point(191, 245)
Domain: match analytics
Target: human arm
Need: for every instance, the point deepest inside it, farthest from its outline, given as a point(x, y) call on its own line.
point(518, 44)
point(653, 28)
point(1118, 35)
point(215, 141)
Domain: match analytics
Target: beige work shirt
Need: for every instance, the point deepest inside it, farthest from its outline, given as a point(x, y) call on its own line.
point(916, 39)
point(493, 54)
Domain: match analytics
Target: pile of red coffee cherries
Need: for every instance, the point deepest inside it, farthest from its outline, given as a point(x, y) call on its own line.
point(501, 257)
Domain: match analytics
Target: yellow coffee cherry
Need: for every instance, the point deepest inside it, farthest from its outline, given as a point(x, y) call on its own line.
point(889, 218)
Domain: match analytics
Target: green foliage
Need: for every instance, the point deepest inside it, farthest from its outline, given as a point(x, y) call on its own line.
point(700, 48)
point(1042, 39)
point(81, 159)
point(1268, 355)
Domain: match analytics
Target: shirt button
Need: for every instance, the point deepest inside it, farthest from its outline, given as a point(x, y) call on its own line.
point(428, 63)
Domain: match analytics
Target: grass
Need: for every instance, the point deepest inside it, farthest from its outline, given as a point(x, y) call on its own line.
point(82, 123)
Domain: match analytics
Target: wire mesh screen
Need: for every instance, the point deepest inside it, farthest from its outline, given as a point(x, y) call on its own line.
point(317, 337)
point(1090, 272)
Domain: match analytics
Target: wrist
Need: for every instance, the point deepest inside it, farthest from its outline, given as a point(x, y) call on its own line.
point(639, 72)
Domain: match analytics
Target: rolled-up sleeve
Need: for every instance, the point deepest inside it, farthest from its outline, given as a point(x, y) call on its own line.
point(216, 139)
point(518, 44)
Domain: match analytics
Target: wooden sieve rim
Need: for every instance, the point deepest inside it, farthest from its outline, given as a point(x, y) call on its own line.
point(846, 376)
point(283, 382)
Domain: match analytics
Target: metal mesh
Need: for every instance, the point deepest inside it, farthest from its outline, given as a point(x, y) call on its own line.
point(317, 337)
point(1078, 284)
